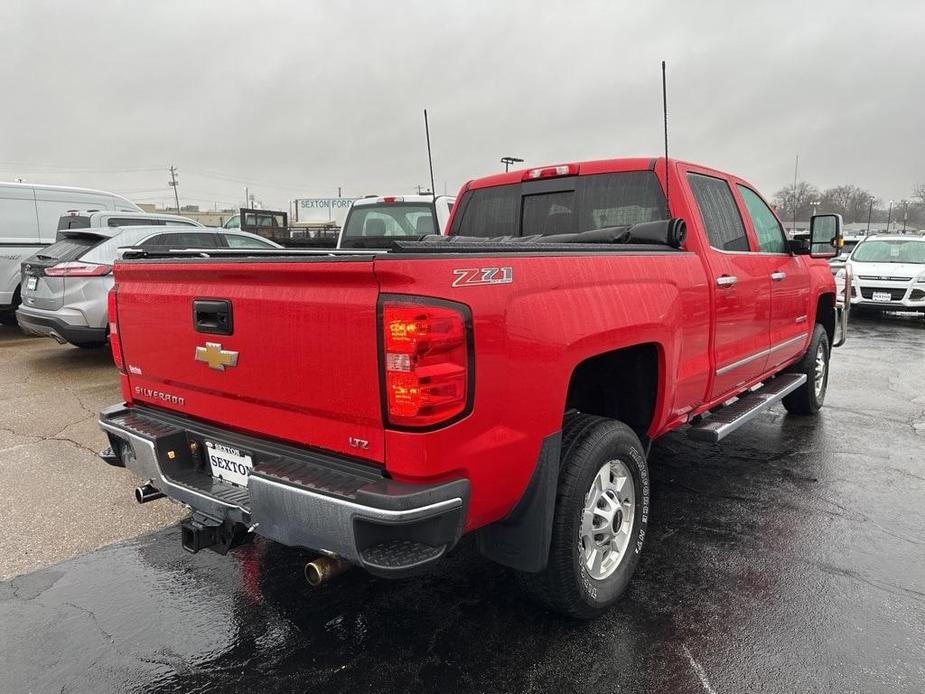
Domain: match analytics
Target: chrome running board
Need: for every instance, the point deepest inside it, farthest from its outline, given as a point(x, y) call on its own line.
point(723, 422)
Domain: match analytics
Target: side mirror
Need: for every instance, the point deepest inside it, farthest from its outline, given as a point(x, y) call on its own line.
point(825, 235)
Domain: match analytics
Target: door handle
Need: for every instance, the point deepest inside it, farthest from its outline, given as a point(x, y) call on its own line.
point(778, 276)
point(726, 280)
point(213, 316)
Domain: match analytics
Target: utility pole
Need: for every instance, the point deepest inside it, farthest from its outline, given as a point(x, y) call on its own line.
point(796, 167)
point(507, 161)
point(173, 184)
point(870, 208)
point(889, 217)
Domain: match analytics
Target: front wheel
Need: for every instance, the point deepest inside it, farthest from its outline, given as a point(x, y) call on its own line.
point(601, 514)
point(808, 398)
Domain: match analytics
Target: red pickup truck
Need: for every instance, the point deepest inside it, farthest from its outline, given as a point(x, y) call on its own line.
point(505, 380)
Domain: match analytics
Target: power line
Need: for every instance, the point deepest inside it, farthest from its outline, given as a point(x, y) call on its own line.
point(237, 179)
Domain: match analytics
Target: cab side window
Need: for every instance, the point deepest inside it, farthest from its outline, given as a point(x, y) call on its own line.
point(767, 228)
point(724, 226)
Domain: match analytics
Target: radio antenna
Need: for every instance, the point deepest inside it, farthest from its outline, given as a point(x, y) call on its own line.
point(665, 116)
point(430, 159)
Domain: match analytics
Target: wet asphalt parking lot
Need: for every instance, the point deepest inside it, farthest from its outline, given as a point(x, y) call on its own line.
point(788, 558)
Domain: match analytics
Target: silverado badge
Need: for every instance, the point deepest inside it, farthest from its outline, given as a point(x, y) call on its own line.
point(216, 357)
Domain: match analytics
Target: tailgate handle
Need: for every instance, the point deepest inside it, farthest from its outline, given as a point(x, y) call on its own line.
point(213, 316)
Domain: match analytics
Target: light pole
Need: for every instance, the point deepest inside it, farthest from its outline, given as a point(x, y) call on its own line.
point(814, 204)
point(507, 161)
point(905, 214)
point(870, 208)
point(889, 217)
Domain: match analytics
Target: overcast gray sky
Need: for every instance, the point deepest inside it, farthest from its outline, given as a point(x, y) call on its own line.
point(298, 98)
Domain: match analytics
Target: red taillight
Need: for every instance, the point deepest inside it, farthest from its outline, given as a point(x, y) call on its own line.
point(115, 344)
point(390, 199)
point(551, 172)
point(426, 361)
point(78, 269)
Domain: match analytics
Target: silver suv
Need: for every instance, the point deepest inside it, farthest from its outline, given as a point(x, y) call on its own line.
point(65, 286)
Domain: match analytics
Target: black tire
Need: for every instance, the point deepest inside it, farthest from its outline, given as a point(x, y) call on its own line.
point(8, 315)
point(565, 585)
point(807, 399)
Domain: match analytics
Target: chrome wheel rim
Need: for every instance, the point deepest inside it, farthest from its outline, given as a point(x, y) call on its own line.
point(607, 520)
point(819, 371)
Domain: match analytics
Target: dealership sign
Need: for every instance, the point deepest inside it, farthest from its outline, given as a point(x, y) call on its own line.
point(322, 209)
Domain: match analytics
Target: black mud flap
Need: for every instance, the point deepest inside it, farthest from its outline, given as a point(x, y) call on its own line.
point(521, 540)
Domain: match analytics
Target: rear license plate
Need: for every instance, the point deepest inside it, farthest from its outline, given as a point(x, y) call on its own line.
point(229, 464)
point(882, 296)
point(32, 282)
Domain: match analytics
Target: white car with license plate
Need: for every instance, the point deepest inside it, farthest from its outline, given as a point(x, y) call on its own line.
point(888, 272)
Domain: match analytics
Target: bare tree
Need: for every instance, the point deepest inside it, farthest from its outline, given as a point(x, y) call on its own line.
point(850, 201)
point(789, 199)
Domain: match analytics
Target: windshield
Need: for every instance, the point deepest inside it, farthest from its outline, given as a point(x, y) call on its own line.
point(561, 205)
point(390, 219)
point(890, 251)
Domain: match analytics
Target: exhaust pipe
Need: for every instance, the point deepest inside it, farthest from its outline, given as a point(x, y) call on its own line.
point(146, 493)
point(323, 569)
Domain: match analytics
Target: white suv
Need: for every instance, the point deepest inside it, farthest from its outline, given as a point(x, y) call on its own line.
point(888, 272)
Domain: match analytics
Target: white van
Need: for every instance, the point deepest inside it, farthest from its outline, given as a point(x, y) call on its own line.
point(29, 217)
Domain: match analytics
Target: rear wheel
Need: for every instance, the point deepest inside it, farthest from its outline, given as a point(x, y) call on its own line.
point(808, 398)
point(8, 315)
point(600, 520)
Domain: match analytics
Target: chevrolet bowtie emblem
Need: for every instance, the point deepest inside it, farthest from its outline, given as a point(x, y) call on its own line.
point(216, 357)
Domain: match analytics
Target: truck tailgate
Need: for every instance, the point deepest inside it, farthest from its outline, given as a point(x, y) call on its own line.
point(300, 363)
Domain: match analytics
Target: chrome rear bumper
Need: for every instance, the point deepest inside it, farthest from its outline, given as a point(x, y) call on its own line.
point(295, 496)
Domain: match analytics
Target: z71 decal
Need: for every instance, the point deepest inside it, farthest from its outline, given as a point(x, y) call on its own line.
point(471, 277)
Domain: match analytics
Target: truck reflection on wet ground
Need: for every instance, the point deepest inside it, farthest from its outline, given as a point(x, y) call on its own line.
point(788, 558)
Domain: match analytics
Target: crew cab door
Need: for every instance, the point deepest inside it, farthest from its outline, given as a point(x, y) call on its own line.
point(790, 290)
point(740, 283)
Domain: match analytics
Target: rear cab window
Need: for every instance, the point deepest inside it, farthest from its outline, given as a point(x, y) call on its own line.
point(73, 221)
point(389, 219)
point(564, 205)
